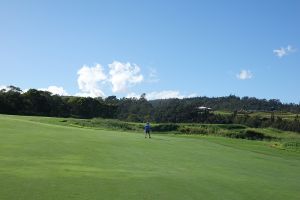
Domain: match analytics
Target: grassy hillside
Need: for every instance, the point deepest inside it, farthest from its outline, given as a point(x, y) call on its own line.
point(263, 114)
point(52, 158)
point(278, 138)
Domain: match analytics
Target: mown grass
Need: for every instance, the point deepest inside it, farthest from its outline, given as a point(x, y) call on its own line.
point(41, 158)
point(282, 139)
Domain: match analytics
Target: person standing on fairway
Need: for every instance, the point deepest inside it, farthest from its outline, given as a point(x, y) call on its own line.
point(147, 129)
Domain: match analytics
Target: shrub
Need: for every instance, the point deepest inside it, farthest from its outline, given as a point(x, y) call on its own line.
point(193, 130)
point(251, 135)
point(165, 127)
point(232, 126)
point(292, 145)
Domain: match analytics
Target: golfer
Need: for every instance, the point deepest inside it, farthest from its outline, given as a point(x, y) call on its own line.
point(147, 129)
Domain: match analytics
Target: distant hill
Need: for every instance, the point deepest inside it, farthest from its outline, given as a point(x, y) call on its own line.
point(234, 103)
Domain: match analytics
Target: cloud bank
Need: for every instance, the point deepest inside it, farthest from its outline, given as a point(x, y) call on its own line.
point(165, 94)
point(118, 77)
point(55, 90)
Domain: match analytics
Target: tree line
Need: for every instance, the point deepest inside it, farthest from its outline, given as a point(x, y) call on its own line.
point(35, 102)
point(232, 103)
point(43, 103)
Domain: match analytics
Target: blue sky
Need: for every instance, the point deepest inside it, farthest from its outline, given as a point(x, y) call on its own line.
point(162, 48)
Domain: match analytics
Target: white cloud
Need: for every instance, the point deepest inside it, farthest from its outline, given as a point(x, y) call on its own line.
point(3, 87)
point(90, 79)
point(85, 94)
point(55, 90)
point(244, 74)
point(124, 75)
point(165, 94)
point(192, 95)
point(284, 51)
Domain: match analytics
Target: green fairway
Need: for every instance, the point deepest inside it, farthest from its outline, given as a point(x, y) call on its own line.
point(44, 160)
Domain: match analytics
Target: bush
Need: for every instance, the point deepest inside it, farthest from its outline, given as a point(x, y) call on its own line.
point(165, 127)
point(250, 135)
point(232, 126)
point(193, 130)
point(292, 145)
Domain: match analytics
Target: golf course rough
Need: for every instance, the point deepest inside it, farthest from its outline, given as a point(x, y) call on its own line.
point(49, 161)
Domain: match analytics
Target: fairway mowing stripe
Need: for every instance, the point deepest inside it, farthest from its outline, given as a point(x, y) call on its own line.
point(82, 128)
point(41, 123)
point(66, 126)
point(58, 126)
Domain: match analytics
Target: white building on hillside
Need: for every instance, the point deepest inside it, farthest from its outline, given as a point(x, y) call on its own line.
point(204, 108)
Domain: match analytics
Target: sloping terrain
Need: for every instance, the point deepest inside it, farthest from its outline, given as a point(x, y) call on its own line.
point(40, 160)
